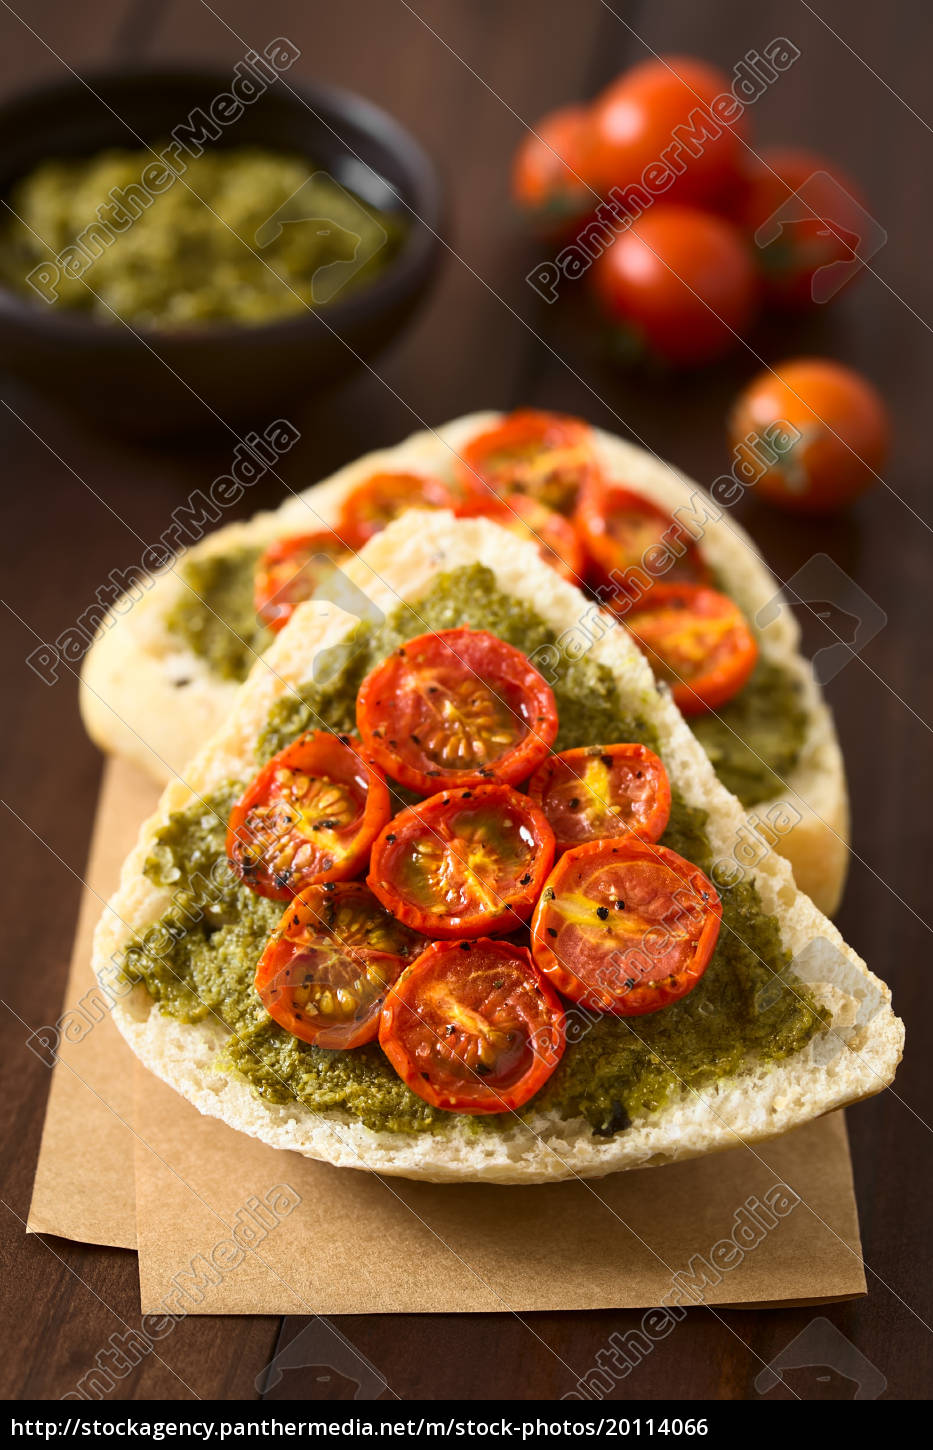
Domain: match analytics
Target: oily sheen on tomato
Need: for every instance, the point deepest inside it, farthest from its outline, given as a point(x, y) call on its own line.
point(626, 927)
point(840, 433)
point(637, 120)
point(379, 499)
point(625, 533)
point(600, 791)
point(547, 456)
point(697, 641)
point(456, 707)
point(679, 283)
point(294, 569)
point(326, 970)
point(463, 863)
point(473, 1027)
point(310, 815)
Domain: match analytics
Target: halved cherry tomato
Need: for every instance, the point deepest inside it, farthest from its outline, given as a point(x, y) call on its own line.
point(625, 533)
point(456, 708)
point(637, 118)
point(625, 926)
point(473, 1027)
point(822, 227)
point(464, 862)
point(327, 967)
point(375, 502)
point(548, 174)
point(554, 535)
point(842, 431)
point(292, 570)
point(310, 815)
point(545, 455)
point(601, 791)
point(679, 283)
point(697, 640)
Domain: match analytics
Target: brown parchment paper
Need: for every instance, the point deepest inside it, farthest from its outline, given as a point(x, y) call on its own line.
point(84, 1187)
point(227, 1225)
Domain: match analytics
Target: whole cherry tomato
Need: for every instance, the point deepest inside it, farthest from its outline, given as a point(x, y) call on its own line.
point(682, 281)
point(638, 120)
point(808, 216)
point(549, 171)
point(841, 427)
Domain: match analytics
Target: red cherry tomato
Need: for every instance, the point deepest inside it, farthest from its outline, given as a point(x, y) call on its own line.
point(327, 967)
point(625, 926)
point(473, 1027)
point(463, 863)
point(554, 535)
point(638, 119)
point(310, 815)
point(375, 502)
point(682, 281)
point(545, 455)
point(294, 569)
point(842, 432)
point(823, 227)
point(601, 791)
point(456, 708)
point(626, 534)
point(549, 171)
point(697, 640)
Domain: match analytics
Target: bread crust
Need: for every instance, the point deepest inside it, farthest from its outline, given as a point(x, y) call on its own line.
point(133, 705)
point(854, 1059)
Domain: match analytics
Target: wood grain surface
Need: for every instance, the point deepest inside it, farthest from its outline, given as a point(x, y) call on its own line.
point(467, 75)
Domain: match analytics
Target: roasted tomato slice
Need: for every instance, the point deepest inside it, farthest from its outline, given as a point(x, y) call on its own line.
point(473, 1027)
point(310, 815)
point(625, 926)
point(294, 569)
point(554, 535)
point(327, 967)
point(697, 640)
point(464, 862)
point(375, 502)
point(545, 455)
point(624, 533)
point(456, 708)
point(601, 791)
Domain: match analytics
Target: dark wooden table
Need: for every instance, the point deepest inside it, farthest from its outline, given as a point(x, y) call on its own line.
point(482, 342)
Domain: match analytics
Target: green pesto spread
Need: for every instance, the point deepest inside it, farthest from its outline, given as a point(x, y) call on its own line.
point(214, 614)
point(200, 958)
point(244, 235)
point(755, 739)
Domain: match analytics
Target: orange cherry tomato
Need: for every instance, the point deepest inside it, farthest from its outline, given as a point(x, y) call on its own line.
point(639, 116)
point(463, 863)
point(473, 1027)
point(842, 427)
point(680, 283)
point(824, 229)
point(327, 967)
point(554, 535)
point(310, 815)
point(375, 502)
point(600, 791)
point(625, 926)
point(697, 641)
point(456, 708)
point(625, 534)
point(294, 569)
point(549, 171)
point(545, 455)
